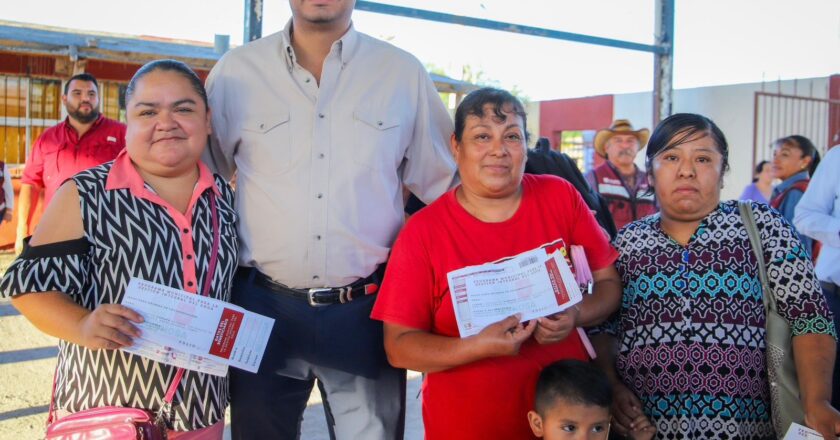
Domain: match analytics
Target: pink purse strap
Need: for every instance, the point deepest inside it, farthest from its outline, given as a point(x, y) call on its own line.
point(208, 281)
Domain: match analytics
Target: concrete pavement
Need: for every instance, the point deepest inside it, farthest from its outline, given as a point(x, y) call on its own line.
point(27, 363)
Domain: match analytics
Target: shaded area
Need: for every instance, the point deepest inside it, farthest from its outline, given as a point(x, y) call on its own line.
point(23, 412)
point(7, 309)
point(28, 354)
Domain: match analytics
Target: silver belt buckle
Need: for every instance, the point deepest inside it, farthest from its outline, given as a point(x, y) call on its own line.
point(313, 291)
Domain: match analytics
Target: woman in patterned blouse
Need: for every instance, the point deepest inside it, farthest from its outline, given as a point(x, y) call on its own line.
point(148, 215)
point(690, 332)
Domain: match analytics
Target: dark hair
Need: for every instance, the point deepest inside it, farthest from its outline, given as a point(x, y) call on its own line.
point(805, 146)
point(80, 77)
point(680, 128)
point(167, 66)
point(758, 169)
point(474, 104)
point(573, 381)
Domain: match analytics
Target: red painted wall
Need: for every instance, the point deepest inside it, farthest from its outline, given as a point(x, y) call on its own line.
point(44, 66)
point(590, 113)
point(111, 71)
point(21, 64)
point(114, 71)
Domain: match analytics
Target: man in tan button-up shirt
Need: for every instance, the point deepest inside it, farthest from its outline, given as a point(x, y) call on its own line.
point(323, 126)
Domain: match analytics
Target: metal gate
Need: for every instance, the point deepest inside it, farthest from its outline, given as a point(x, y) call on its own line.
point(778, 115)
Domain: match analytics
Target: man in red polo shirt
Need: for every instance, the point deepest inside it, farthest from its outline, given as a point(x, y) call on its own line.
point(84, 140)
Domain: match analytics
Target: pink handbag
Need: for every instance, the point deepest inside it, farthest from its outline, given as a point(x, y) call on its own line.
point(119, 423)
point(108, 422)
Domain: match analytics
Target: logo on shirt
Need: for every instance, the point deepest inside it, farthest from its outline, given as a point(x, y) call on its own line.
point(111, 139)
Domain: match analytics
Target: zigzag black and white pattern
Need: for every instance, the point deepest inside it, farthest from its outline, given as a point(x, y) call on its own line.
point(132, 237)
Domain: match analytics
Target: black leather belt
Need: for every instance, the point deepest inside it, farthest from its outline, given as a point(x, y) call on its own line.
point(324, 296)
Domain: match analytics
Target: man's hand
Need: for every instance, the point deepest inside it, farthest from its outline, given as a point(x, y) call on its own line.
point(555, 328)
point(23, 205)
point(504, 338)
point(108, 327)
point(823, 418)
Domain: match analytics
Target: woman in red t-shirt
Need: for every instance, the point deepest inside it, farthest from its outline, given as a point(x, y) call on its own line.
point(482, 386)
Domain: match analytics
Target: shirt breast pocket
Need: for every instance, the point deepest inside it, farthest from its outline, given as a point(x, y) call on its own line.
point(50, 155)
point(377, 139)
point(266, 143)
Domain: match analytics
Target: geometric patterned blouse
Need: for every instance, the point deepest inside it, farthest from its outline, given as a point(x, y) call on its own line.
point(691, 323)
point(131, 232)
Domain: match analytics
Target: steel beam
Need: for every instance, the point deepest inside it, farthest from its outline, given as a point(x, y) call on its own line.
point(253, 20)
point(663, 62)
point(423, 14)
point(662, 50)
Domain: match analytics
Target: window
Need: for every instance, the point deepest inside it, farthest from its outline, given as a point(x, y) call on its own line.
point(28, 106)
point(577, 144)
point(112, 100)
point(44, 109)
point(12, 118)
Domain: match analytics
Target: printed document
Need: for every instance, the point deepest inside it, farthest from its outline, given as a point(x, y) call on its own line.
point(198, 325)
point(799, 432)
point(533, 283)
point(170, 356)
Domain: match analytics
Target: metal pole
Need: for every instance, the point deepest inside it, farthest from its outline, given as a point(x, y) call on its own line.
point(253, 20)
point(663, 61)
point(502, 26)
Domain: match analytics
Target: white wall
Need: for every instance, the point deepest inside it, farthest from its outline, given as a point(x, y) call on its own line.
point(532, 110)
point(730, 107)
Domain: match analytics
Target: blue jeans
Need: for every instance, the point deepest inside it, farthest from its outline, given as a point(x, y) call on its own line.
point(364, 397)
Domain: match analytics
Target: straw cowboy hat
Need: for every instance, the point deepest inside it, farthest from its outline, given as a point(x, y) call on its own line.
point(620, 126)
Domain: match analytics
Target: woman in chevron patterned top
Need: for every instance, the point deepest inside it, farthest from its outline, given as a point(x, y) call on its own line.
point(691, 328)
point(148, 214)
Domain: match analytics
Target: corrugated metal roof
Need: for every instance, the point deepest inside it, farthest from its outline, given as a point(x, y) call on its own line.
point(31, 38)
point(20, 37)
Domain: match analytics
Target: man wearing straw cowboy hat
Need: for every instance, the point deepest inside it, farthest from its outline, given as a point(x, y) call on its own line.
point(619, 180)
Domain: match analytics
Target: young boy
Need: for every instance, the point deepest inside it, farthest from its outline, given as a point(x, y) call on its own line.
point(573, 401)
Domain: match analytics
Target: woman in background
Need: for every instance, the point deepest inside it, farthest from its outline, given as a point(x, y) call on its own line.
point(794, 161)
point(762, 184)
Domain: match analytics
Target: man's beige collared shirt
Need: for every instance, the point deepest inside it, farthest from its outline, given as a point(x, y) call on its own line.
point(320, 167)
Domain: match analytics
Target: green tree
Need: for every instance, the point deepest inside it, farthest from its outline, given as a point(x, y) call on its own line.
point(479, 77)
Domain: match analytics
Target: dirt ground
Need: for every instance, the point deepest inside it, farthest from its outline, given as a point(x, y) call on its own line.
point(27, 362)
